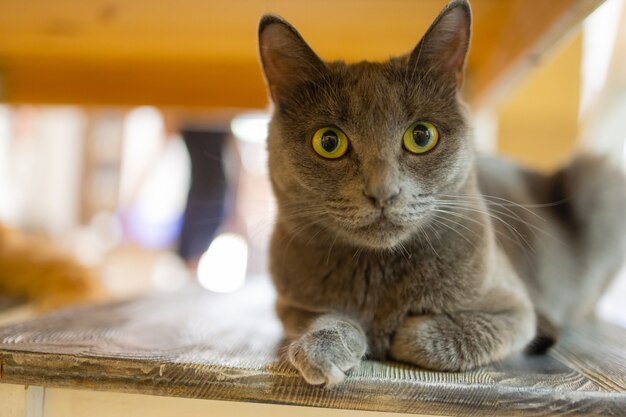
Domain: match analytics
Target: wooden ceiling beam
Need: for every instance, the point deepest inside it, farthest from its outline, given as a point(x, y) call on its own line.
point(202, 54)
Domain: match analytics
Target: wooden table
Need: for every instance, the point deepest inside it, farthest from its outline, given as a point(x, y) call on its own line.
point(197, 345)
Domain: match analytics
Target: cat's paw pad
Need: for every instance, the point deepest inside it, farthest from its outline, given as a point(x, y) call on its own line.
point(323, 356)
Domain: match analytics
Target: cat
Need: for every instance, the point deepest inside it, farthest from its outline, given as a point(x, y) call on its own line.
point(33, 268)
point(394, 240)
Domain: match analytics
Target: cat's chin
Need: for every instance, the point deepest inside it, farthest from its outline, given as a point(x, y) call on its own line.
point(378, 235)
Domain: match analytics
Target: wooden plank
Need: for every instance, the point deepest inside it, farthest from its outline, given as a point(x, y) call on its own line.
point(527, 33)
point(227, 347)
point(204, 54)
point(203, 84)
point(14, 310)
point(79, 403)
point(598, 353)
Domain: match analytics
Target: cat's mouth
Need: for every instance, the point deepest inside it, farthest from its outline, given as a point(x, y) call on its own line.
point(381, 223)
point(382, 219)
point(382, 229)
point(382, 232)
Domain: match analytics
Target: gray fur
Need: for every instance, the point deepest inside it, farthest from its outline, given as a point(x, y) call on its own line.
point(441, 280)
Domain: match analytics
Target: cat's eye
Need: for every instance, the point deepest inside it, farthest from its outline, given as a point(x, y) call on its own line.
point(330, 142)
point(420, 137)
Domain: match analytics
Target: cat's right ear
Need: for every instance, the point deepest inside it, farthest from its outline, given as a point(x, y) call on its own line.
point(286, 58)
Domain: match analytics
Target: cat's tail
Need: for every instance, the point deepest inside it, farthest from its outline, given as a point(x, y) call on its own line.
point(594, 189)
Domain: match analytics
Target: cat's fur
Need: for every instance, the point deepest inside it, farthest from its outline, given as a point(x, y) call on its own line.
point(441, 280)
point(32, 267)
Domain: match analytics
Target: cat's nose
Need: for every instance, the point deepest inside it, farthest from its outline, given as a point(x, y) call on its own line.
point(381, 185)
point(383, 197)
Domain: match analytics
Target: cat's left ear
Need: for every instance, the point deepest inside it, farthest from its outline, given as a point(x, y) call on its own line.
point(444, 47)
point(286, 58)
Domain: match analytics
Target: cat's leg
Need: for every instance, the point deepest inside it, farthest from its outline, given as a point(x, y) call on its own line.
point(326, 348)
point(463, 340)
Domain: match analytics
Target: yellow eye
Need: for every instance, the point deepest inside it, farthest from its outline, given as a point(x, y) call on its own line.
point(420, 137)
point(330, 142)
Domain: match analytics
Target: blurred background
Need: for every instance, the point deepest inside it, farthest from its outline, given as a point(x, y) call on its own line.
point(132, 133)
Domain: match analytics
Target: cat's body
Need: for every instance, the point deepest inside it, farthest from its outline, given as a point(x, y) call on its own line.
point(565, 233)
point(408, 251)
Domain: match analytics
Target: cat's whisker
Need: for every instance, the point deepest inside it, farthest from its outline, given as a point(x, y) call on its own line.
point(472, 202)
point(308, 242)
point(261, 228)
point(516, 238)
point(471, 206)
point(404, 251)
point(423, 232)
point(513, 203)
point(505, 202)
point(510, 227)
point(330, 248)
point(296, 216)
point(436, 233)
point(525, 250)
point(357, 253)
point(441, 221)
point(300, 230)
point(515, 217)
point(304, 213)
point(519, 238)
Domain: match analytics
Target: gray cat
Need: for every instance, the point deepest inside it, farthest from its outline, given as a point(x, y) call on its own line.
point(394, 240)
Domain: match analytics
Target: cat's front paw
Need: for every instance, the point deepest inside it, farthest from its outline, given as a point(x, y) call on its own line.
point(324, 355)
point(417, 341)
point(461, 341)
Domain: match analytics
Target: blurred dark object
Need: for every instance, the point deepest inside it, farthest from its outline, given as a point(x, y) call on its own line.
point(207, 199)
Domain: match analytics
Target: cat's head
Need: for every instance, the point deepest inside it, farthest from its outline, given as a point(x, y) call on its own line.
point(365, 149)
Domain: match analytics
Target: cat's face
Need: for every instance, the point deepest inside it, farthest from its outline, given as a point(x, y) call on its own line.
point(406, 133)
